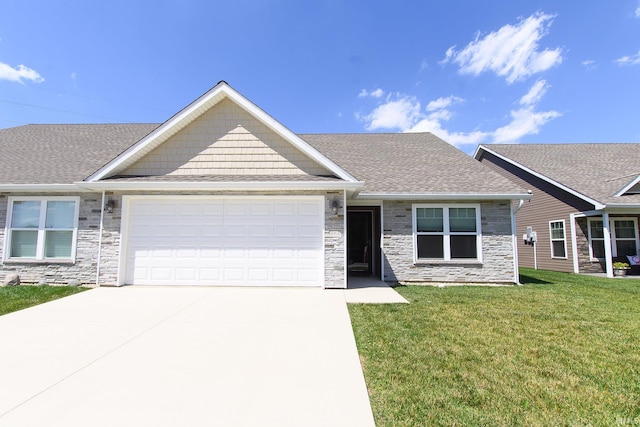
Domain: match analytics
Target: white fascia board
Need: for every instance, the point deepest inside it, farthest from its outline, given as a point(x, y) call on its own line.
point(626, 188)
point(476, 154)
point(595, 203)
point(217, 186)
point(162, 132)
point(36, 188)
point(444, 196)
point(609, 207)
point(198, 107)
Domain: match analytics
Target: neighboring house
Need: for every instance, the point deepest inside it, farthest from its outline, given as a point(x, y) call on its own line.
point(223, 194)
point(585, 206)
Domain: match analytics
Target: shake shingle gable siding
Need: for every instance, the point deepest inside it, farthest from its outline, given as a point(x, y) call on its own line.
point(388, 174)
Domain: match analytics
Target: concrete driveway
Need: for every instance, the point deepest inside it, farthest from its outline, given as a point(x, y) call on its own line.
point(175, 356)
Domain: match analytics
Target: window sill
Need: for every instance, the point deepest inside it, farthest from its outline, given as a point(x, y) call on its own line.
point(424, 262)
point(15, 261)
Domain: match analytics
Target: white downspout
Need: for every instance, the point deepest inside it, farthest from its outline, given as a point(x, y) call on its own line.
point(608, 257)
point(514, 238)
point(100, 241)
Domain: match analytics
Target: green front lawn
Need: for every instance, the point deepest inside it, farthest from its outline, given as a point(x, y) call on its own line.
point(561, 350)
point(16, 298)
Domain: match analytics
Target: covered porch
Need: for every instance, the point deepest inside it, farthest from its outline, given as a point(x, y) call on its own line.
point(605, 237)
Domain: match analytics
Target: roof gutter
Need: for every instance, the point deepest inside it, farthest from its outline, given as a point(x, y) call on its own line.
point(217, 186)
point(39, 188)
point(610, 206)
point(445, 196)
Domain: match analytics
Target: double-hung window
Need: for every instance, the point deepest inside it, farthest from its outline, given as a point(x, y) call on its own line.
point(42, 228)
point(624, 237)
point(558, 239)
point(596, 239)
point(447, 232)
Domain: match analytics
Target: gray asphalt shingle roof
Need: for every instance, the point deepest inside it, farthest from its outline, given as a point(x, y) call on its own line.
point(409, 163)
point(595, 170)
point(62, 154)
point(389, 163)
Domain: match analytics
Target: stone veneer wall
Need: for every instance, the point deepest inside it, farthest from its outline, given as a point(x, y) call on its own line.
point(334, 237)
point(83, 271)
point(497, 248)
point(585, 265)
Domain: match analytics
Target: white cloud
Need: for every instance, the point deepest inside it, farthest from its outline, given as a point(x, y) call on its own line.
point(403, 113)
point(399, 113)
point(377, 93)
point(638, 11)
point(511, 52)
point(629, 59)
point(525, 121)
point(441, 103)
point(19, 74)
point(535, 94)
point(589, 64)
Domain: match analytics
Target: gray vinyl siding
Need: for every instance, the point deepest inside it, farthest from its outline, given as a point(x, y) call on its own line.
point(549, 203)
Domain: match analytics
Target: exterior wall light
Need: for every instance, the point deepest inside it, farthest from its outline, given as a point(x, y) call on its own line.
point(335, 205)
point(110, 204)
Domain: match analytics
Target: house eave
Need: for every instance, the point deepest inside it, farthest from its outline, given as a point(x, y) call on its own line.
point(444, 196)
point(627, 187)
point(40, 188)
point(618, 206)
point(595, 203)
point(221, 186)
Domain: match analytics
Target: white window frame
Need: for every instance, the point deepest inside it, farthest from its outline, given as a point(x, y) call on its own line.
point(564, 239)
point(40, 247)
point(591, 239)
point(446, 233)
point(614, 238)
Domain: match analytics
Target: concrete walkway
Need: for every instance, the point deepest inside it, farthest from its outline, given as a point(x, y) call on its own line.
point(368, 290)
point(183, 357)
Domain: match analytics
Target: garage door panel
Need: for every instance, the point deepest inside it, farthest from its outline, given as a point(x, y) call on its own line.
point(234, 274)
point(210, 275)
point(186, 274)
point(244, 241)
point(162, 274)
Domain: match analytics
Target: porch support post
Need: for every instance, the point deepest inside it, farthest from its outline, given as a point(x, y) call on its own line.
point(608, 257)
point(344, 238)
point(514, 243)
point(574, 244)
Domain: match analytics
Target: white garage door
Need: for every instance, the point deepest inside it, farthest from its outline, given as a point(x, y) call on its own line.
point(264, 241)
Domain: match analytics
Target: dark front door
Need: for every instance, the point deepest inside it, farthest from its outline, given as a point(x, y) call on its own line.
point(363, 241)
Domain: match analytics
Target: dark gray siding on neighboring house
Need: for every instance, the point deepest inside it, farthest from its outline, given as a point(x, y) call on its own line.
point(549, 203)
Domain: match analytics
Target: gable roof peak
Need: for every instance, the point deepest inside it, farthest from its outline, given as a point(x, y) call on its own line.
point(197, 108)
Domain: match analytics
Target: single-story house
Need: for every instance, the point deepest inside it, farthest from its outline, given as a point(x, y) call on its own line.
point(585, 206)
point(223, 194)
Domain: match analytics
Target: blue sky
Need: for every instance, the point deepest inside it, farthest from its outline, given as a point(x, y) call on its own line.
point(469, 71)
